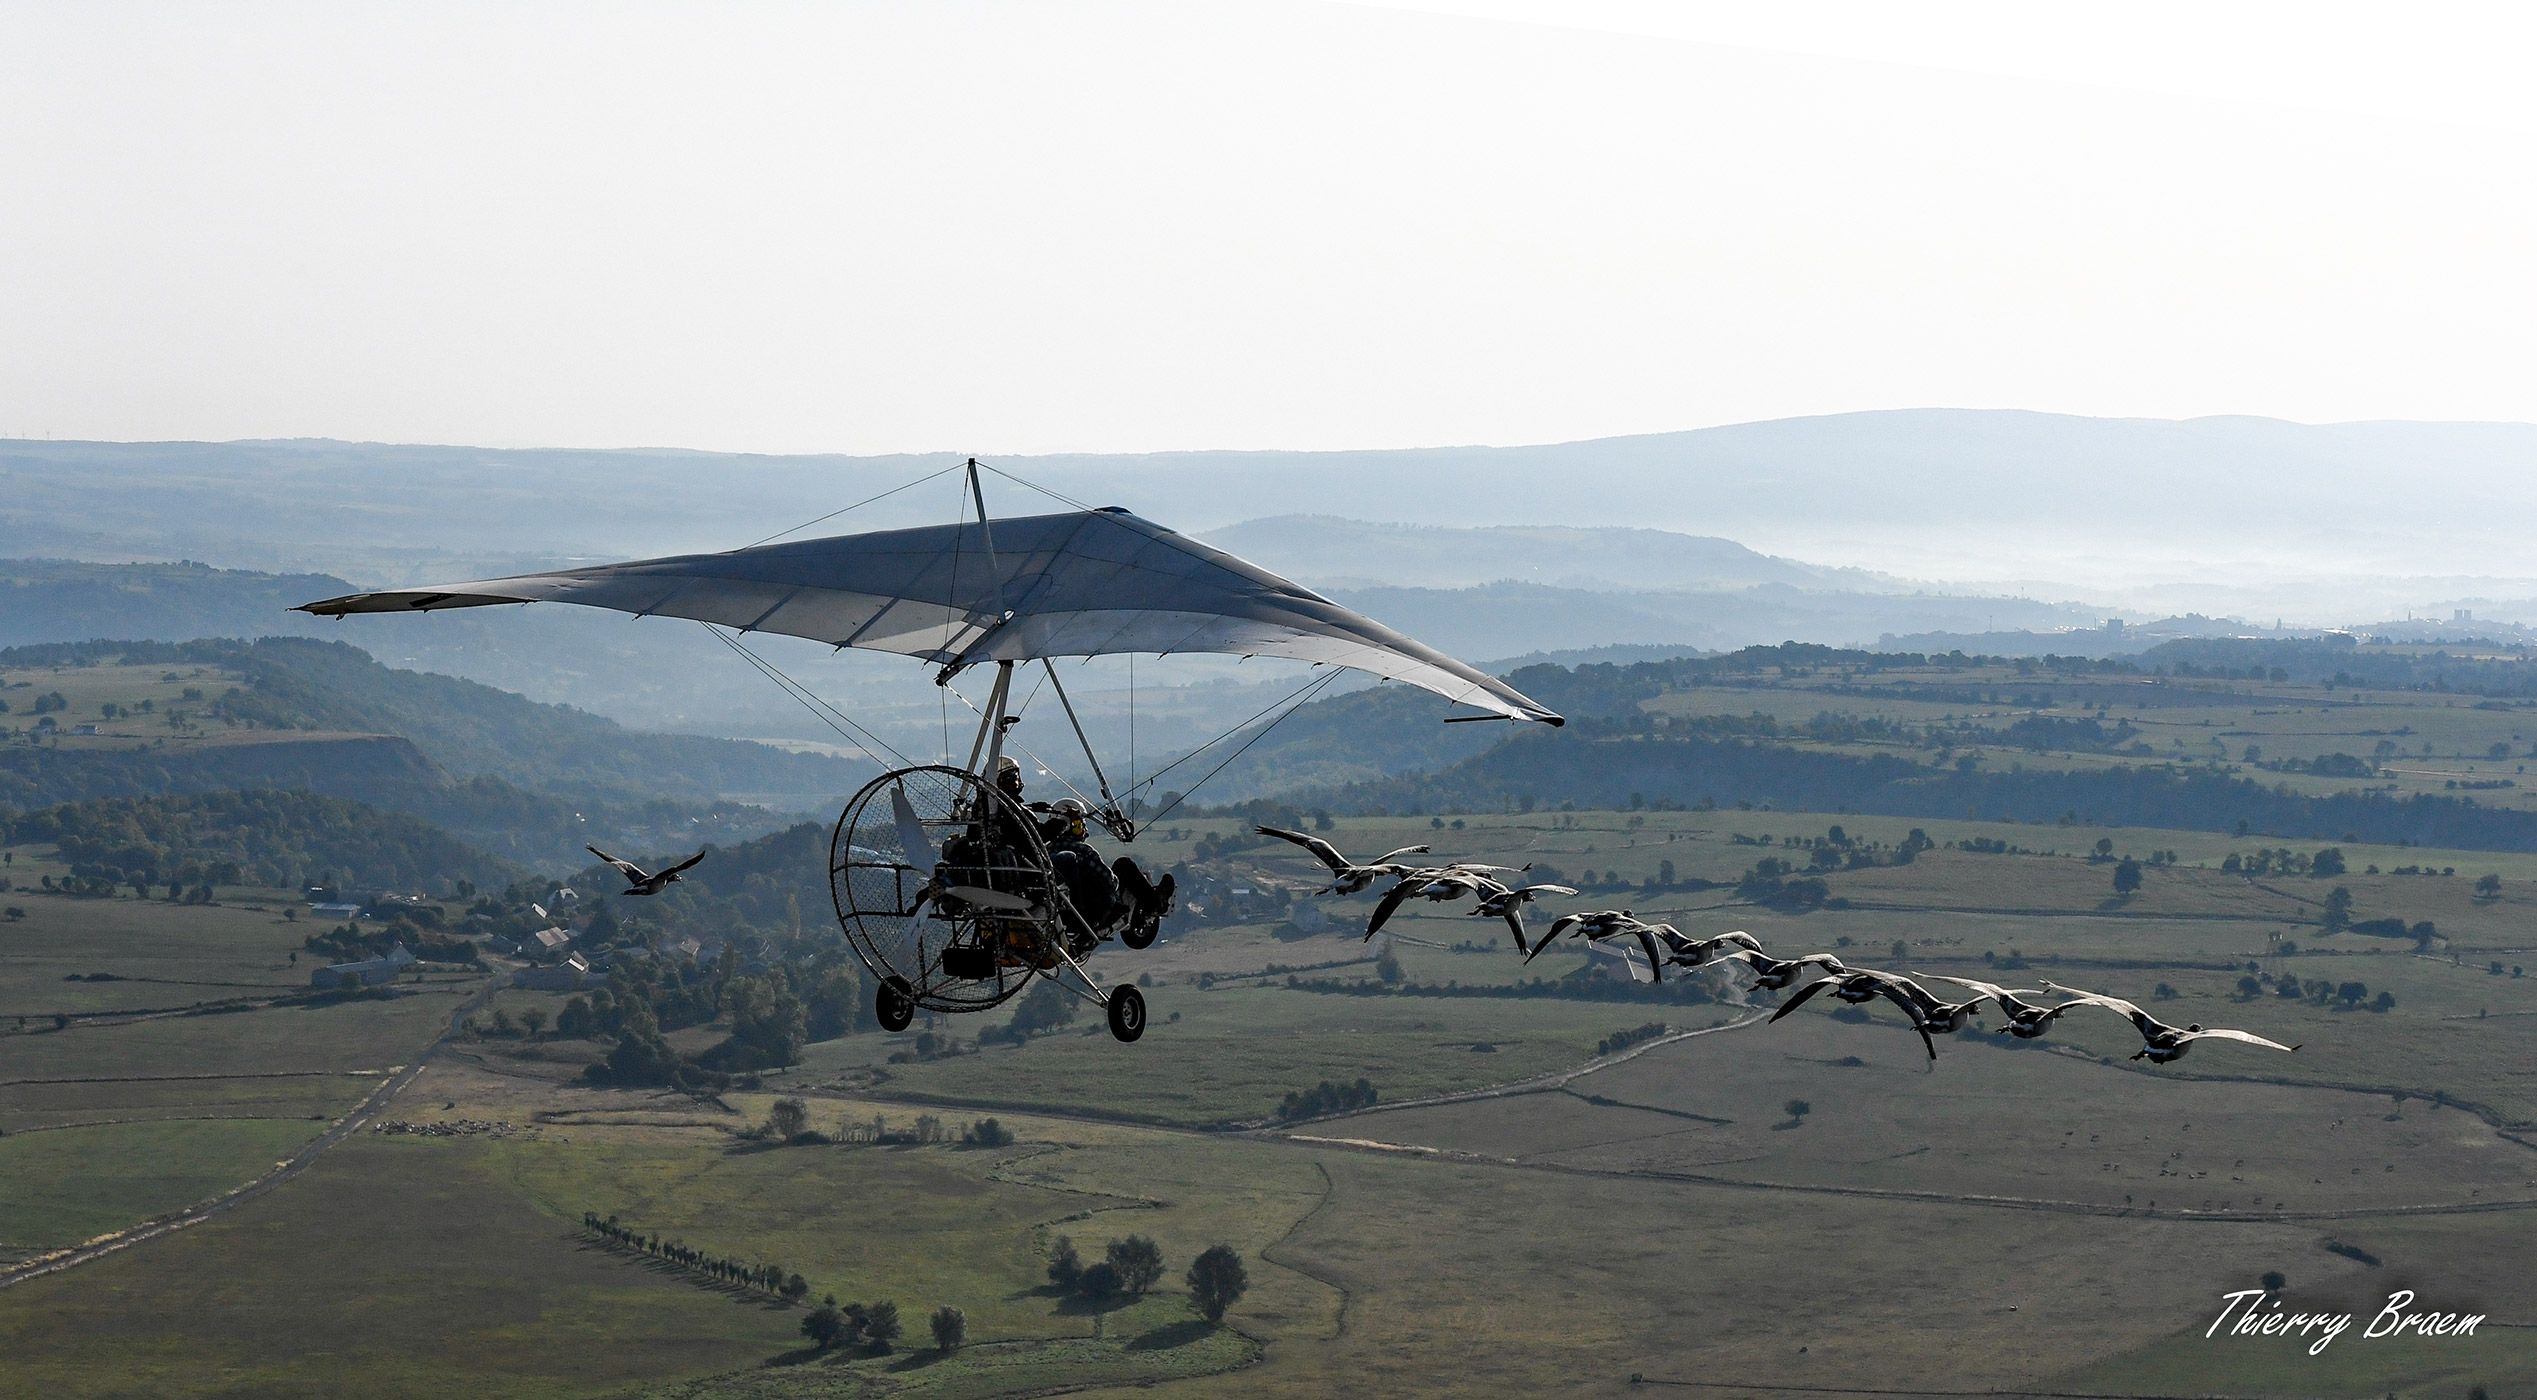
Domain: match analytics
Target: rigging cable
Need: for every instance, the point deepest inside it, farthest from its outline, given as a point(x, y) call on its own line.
point(843, 509)
point(862, 737)
point(1302, 697)
point(1028, 752)
point(1321, 680)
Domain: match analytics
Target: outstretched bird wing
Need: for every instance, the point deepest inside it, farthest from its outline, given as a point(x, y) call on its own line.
point(2117, 1005)
point(2245, 1036)
point(1390, 856)
point(627, 868)
point(1802, 993)
point(1887, 988)
point(1515, 921)
point(1322, 850)
point(1391, 900)
point(1647, 939)
point(687, 864)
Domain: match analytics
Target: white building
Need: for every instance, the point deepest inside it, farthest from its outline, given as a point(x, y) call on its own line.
point(370, 972)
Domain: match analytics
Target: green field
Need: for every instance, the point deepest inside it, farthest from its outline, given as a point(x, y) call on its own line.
point(1514, 1216)
point(74, 1184)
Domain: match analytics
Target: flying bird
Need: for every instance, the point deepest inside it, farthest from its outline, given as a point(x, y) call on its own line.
point(1616, 923)
point(1438, 882)
point(641, 881)
point(1347, 877)
point(1774, 974)
point(1699, 953)
point(1862, 985)
point(1508, 903)
point(2162, 1043)
point(2026, 1020)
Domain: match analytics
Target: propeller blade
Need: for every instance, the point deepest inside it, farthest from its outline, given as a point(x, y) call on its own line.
point(912, 838)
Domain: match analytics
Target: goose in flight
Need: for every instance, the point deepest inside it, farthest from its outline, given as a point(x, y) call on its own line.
point(1440, 883)
point(1699, 953)
point(2026, 1020)
point(1774, 974)
point(1616, 923)
point(1346, 876)
point(2162, 1043)
point(641, 881)
point(1508, 903)
point(1862, 985)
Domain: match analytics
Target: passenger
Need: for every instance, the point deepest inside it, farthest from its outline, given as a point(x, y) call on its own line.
point(1102, 894)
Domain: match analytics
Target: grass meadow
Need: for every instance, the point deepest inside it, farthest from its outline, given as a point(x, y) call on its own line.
point(1802, 1208)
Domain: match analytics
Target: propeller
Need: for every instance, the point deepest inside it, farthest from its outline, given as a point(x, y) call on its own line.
point(917, 846)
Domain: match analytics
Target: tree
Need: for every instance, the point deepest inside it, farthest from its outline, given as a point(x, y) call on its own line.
point(1138, 1260)
point(533, 1021)
point(2327, 864)
point(787, 1119)
point(1098, 1283)
point(2338, 912)
point(826, 1326)
point(1798, 1108)
point(951, 1328)
point(1388, 968)
point(1217, 1281)
point(2274, 1282)
point(2127, 876)
point(1045, 1006)
point(1065, 1267)
point(2489, 887)
point(881, 1324)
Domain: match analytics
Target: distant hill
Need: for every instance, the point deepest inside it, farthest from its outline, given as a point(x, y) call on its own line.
point(57, 600)
point(664, 674)
point(522, 781)
point(1326, 549)
point(271, 837)
point(468, 729)
point(1511, 619)
point(2032, 486)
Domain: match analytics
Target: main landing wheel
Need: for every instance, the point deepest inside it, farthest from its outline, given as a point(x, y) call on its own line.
point(895, 1007)
point(1127, 1012)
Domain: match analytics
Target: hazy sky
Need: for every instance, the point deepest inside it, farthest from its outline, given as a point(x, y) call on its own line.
point(1119, 226)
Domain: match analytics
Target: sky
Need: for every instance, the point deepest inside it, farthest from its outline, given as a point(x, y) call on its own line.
point(1125, 225)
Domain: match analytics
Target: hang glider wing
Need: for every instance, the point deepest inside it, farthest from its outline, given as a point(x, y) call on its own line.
point(1078, 583)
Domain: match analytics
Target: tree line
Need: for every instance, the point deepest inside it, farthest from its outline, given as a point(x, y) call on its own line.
point(1129, 1267)
point(771, 1279)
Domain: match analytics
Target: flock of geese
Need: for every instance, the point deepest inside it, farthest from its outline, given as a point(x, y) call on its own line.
point(1667, 946)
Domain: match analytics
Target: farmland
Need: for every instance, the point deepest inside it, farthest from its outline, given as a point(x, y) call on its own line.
point(1527, 1206)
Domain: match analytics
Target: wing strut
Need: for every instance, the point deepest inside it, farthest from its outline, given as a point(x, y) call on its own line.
point(1111, 816)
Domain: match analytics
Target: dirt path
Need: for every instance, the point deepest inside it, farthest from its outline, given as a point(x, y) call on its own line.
point(298, 1162)
point(1544, 1083)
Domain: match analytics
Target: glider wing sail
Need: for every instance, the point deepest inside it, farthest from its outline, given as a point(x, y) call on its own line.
point(1078, 583)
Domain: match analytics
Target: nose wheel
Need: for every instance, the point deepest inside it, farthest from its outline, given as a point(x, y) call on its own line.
point(1127, 1012)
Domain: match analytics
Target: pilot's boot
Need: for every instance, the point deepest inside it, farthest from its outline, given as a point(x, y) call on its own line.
point(1147, 901)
